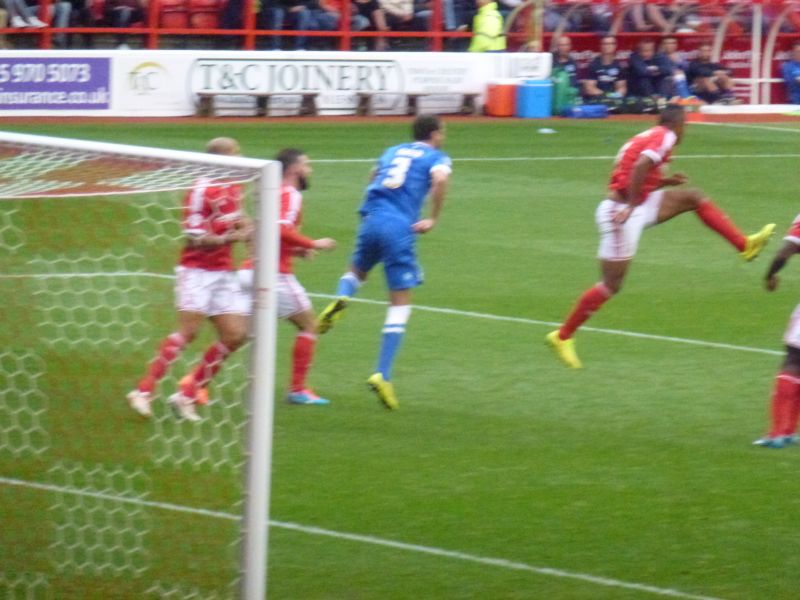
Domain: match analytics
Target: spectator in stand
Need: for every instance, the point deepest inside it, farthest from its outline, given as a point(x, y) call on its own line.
point(487, 29)
point(791, 74)
point(58, 13)
point(423, 14)
point(562, 60)
point(708, 80)
point(295, 15)
point(122, 14)
point(669, 48)
point(560, 17)
point(646, 16)
point(399, 13)
point(328, 16)
point(605, 80)
point(602, 17)
point(564, 76)
point(21, 15)
point(372, 10)
point(4, 43)
point(649, 73)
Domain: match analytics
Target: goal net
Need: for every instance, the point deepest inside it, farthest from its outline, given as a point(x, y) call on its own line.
point(96, 501)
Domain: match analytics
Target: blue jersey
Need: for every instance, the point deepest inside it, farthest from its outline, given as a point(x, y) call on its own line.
point(791, 75)
point(402, 180)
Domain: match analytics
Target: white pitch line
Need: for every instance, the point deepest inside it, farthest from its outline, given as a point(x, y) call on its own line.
point(368, 539)
point(445, 311)
point(566, 158)
point(633, 334)
point(745, 126)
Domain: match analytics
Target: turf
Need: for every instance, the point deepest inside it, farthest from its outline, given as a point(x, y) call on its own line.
point(637, 470)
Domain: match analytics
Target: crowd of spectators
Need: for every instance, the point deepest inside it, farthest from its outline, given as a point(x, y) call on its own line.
point(649, 77)
point(649, 72)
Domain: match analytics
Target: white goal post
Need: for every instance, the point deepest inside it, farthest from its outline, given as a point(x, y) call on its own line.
point(34, 166)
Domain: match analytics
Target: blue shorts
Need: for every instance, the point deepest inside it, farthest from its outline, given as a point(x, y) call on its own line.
point(392, 242)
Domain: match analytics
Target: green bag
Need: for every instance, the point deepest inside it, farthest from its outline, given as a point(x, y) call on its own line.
point(564, 95)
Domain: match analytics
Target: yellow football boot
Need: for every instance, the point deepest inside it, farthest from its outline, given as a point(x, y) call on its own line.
point(564, 349)
point(756, 242)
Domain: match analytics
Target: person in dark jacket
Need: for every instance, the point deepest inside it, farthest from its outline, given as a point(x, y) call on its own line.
point(649, 72)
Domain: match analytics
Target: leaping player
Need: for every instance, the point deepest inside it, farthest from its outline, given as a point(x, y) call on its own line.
point(390, 224)
point(636, 200)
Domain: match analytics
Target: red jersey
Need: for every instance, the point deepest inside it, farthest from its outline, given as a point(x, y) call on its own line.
point(656, 144)
point(290, 220)
point(793, 235)
point(210, 209)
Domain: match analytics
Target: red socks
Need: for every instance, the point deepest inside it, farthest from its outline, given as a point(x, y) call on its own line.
point(589, 303)
point(785, 405)
point(302, 356)
point(209, 365)
point(168, 351)
point(711, 215)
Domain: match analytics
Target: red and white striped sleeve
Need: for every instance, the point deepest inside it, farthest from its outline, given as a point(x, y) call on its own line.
point(195, 209)
point(659, 144)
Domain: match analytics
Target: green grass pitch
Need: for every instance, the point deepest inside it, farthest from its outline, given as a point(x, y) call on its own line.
point(631, 478)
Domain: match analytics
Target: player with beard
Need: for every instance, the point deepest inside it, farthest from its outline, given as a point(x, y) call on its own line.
point(293, 302)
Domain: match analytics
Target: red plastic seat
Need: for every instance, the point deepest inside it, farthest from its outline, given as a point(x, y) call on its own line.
point(173, 14)
point(204, 14)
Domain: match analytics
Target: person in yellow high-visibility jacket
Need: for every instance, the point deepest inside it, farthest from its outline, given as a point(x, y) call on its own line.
point(487, 29)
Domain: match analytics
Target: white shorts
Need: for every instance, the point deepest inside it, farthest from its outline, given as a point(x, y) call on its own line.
point(619, 242)
point(292, 297)
point(208, 292)
point(792, 335)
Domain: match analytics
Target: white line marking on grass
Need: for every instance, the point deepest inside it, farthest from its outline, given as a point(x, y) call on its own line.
point(745, 126)
point(447, 311)
point(368, 539)
point(633, 334)
point(565, 158)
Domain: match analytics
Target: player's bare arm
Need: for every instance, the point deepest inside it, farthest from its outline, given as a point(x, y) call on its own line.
point(640, 170)
point(439, 179)
point(673, 180)
point(324, 244)
point(771, 279)
point(212, 240)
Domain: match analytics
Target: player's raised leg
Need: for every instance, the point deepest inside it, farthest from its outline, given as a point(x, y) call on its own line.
point(348, 286)
point(678, 201)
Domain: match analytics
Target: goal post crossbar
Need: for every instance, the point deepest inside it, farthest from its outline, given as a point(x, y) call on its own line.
point(35, 166)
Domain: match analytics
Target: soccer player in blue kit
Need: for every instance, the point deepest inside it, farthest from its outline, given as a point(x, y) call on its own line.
point(390, 223)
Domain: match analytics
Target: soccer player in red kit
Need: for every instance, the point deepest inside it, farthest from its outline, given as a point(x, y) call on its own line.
point(206, 286)
point(786, 391)
point(636, 200)
point(293, 302)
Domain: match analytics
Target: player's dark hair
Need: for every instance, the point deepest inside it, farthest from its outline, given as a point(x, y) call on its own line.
point(288, 156)
point(671, 114)
point(425, 126)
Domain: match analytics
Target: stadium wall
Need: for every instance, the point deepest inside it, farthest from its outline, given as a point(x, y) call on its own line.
point(166, 83)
